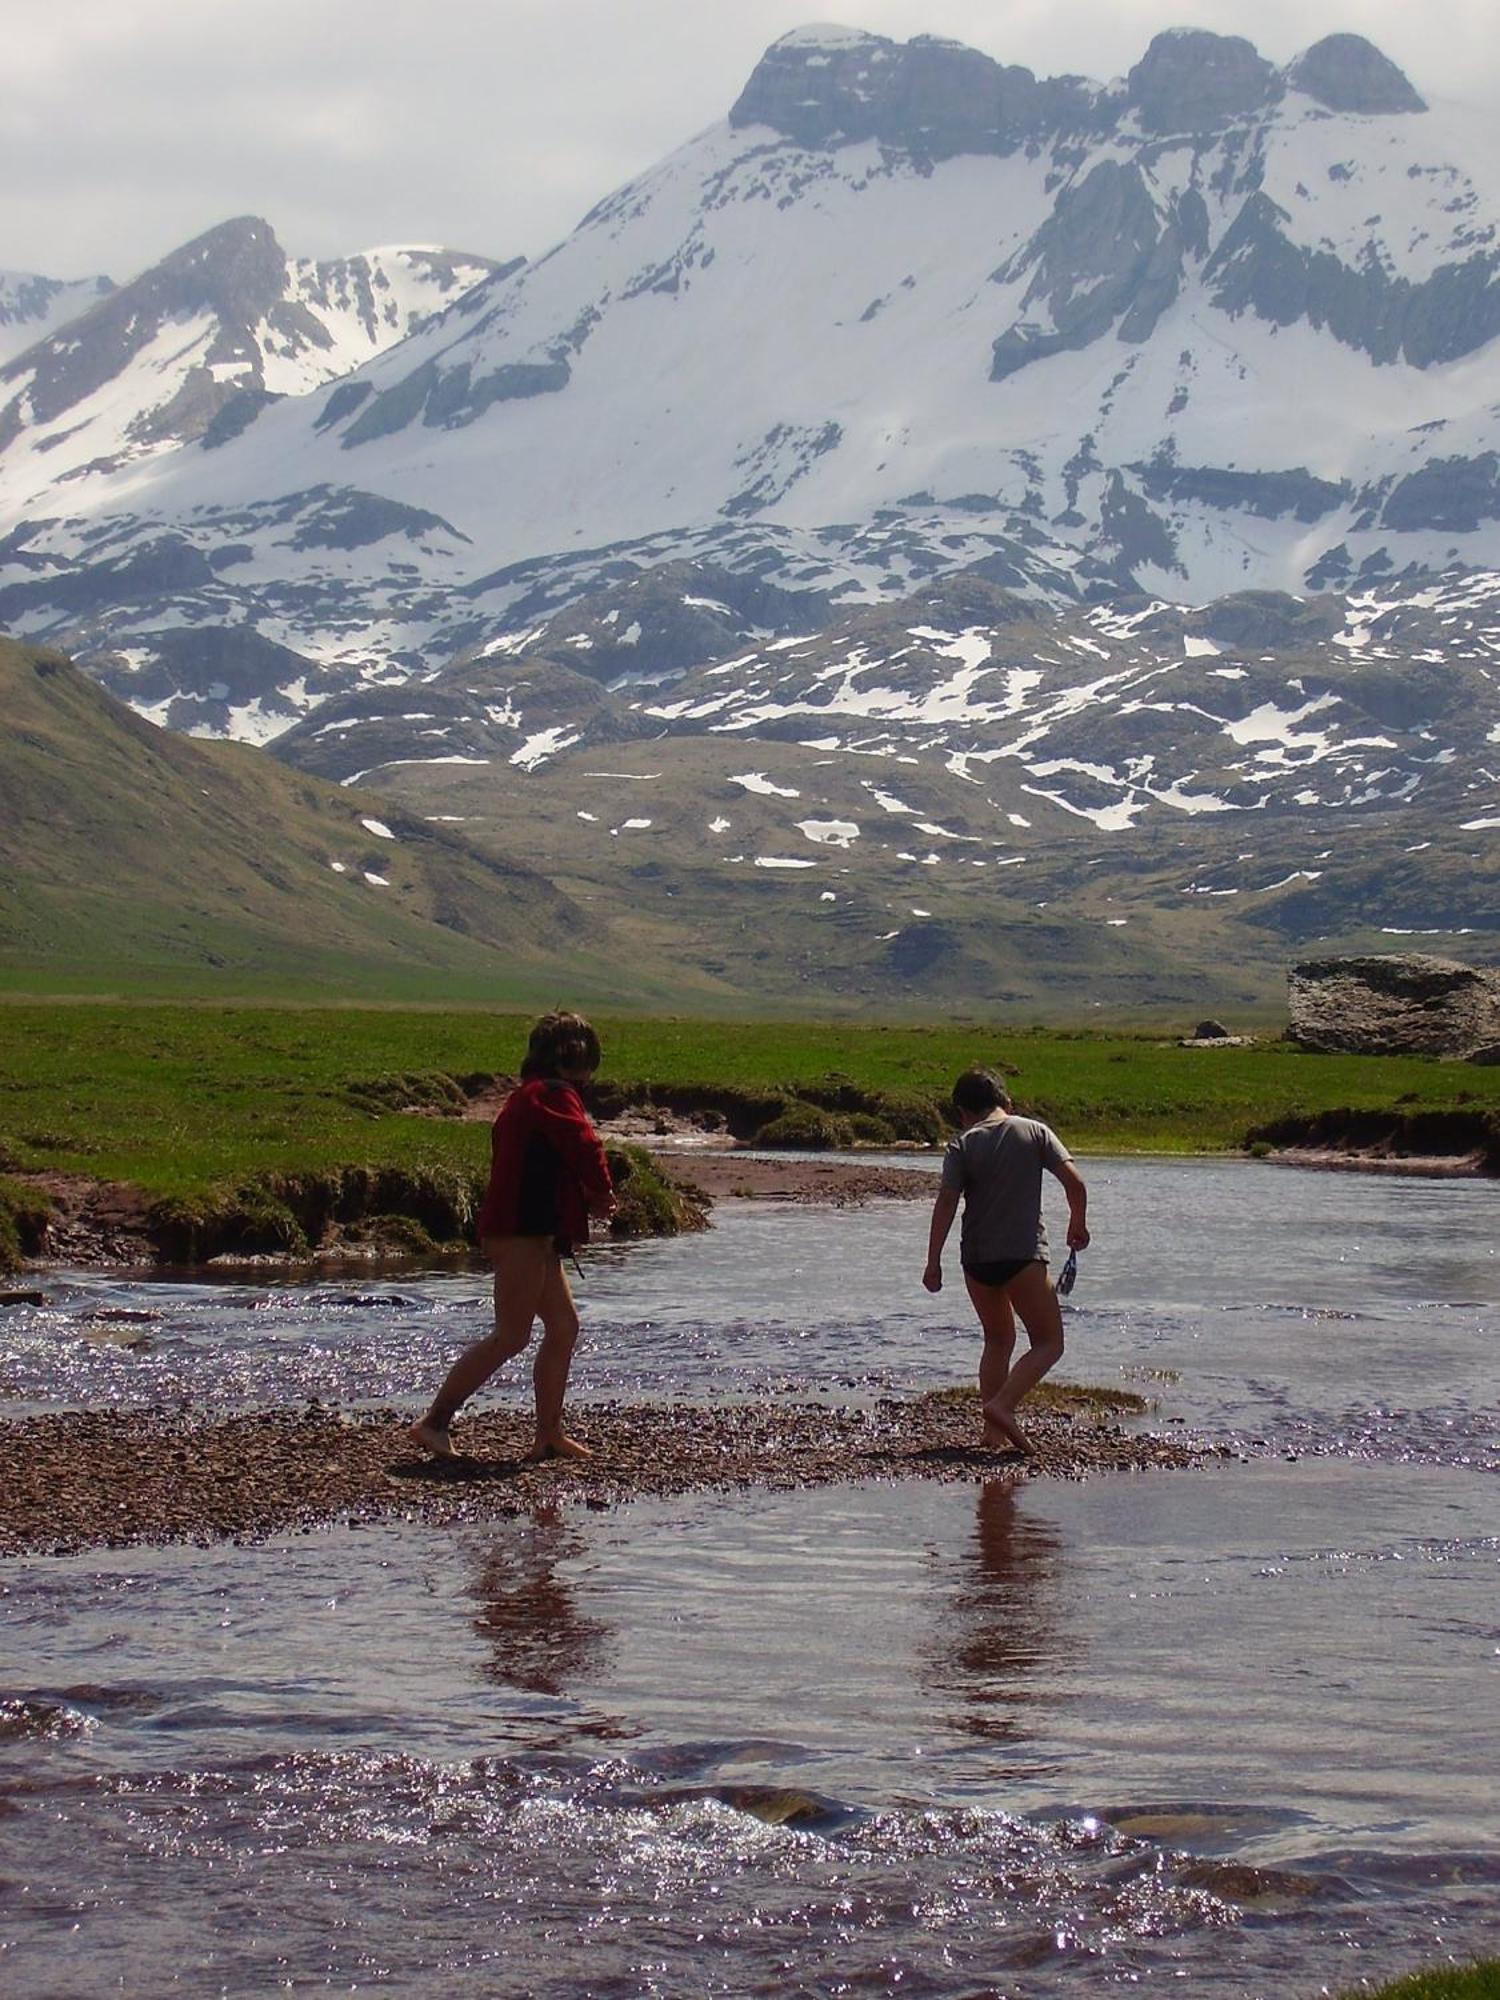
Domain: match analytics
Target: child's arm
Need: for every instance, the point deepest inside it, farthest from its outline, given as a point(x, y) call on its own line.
point(943, 1211)
point(567, 1128)
point(1078, 1204)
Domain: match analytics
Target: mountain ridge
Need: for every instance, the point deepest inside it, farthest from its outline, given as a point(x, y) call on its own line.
point(1166, 282)
point(211, 333)
point(1120, 461)
point(33, 306)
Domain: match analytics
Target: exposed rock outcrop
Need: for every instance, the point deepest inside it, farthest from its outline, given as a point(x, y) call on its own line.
point(1258, 267)
point(1190, 80)
point(1101, 254)
point(1401, 1005)
point(837, 86)
point(1347, 73)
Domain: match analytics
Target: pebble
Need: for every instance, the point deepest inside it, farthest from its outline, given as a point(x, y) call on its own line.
point(119, 1478)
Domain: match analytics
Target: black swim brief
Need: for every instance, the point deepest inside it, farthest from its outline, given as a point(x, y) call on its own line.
point(1000, 1272)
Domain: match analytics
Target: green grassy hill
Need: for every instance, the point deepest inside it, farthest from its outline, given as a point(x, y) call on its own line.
point(141, 861)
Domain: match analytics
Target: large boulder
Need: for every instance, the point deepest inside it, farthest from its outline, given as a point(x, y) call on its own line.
point(1388, 1006)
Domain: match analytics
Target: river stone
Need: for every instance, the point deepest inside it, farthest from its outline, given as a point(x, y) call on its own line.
point(1402, 1004)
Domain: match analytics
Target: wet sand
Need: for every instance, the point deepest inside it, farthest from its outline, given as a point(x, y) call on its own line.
point(113, 1479)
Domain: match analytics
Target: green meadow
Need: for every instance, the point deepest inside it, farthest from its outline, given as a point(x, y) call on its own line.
point(178, 1098)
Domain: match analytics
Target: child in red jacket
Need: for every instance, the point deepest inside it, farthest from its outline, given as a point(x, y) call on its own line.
point(547, 1176)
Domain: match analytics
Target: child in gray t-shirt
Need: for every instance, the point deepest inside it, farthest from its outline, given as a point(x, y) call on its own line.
point(994, 1167)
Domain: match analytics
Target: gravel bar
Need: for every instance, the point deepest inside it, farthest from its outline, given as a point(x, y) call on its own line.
point(115, 1479)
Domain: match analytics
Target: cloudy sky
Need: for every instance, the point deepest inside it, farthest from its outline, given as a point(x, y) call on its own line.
point(492, 125)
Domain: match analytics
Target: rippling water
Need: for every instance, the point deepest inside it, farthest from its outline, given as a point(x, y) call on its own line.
point(1230, 1731)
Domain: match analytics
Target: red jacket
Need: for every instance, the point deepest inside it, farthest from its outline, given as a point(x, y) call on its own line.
point(545, 1163)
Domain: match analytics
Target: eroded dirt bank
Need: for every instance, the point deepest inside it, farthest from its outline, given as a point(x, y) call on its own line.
point(1443, 1144)
point(109, 1479)
point(108, 1224)
point(802, 1179)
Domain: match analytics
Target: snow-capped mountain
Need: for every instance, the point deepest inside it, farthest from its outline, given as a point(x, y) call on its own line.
point(1119, 465)
point(905, 310)
point(192, 349)
point(31, 307)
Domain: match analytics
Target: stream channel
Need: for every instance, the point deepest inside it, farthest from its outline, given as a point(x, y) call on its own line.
point(1227, 1731)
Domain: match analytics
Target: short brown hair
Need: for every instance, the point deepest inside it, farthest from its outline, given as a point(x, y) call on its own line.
point(560, 1041)
point(981, 1090)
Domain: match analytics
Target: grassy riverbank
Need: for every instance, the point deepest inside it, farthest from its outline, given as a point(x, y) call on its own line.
point(178, 1098)
point(1479, 1981)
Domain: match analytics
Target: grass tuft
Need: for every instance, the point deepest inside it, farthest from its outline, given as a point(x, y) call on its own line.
point(649, 1204)
point(23, 1224)
point(1477, 1981)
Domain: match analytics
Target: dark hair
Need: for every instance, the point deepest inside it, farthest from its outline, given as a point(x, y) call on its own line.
point(560, 1041)
point(980, 1090)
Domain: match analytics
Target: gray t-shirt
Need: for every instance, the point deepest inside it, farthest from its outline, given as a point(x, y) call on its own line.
point(997, 1167)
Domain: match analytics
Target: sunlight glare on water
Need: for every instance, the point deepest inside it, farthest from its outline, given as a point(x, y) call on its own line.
point(1227, 1731)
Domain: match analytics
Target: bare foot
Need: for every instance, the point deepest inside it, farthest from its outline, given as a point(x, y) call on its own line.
point(432, 1439)
point(560, 1446)
point(998, 1418)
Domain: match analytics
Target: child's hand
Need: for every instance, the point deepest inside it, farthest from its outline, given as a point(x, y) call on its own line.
point(603, 1206)
point(1078, 1236)
point(932, 1277)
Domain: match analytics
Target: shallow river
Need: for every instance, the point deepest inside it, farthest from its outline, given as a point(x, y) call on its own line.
point(1224, 1732)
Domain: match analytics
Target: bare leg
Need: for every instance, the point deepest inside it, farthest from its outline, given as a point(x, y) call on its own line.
point(520, 1274)
point(998, 1324)
point(554, 1359)
point(1031, 1294)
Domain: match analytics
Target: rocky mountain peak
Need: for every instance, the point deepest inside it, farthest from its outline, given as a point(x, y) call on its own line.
point(1347, 73)
point(234, 272)
point(1190, 80)
point(195, 346)
point(934, 97)
point(931, 96)
point(237, 269)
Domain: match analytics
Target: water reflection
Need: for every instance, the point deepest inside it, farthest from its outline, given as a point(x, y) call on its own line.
point(1002, 1632)
point(540, 1638)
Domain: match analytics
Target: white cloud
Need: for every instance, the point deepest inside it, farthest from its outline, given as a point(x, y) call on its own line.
point(491, 125)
